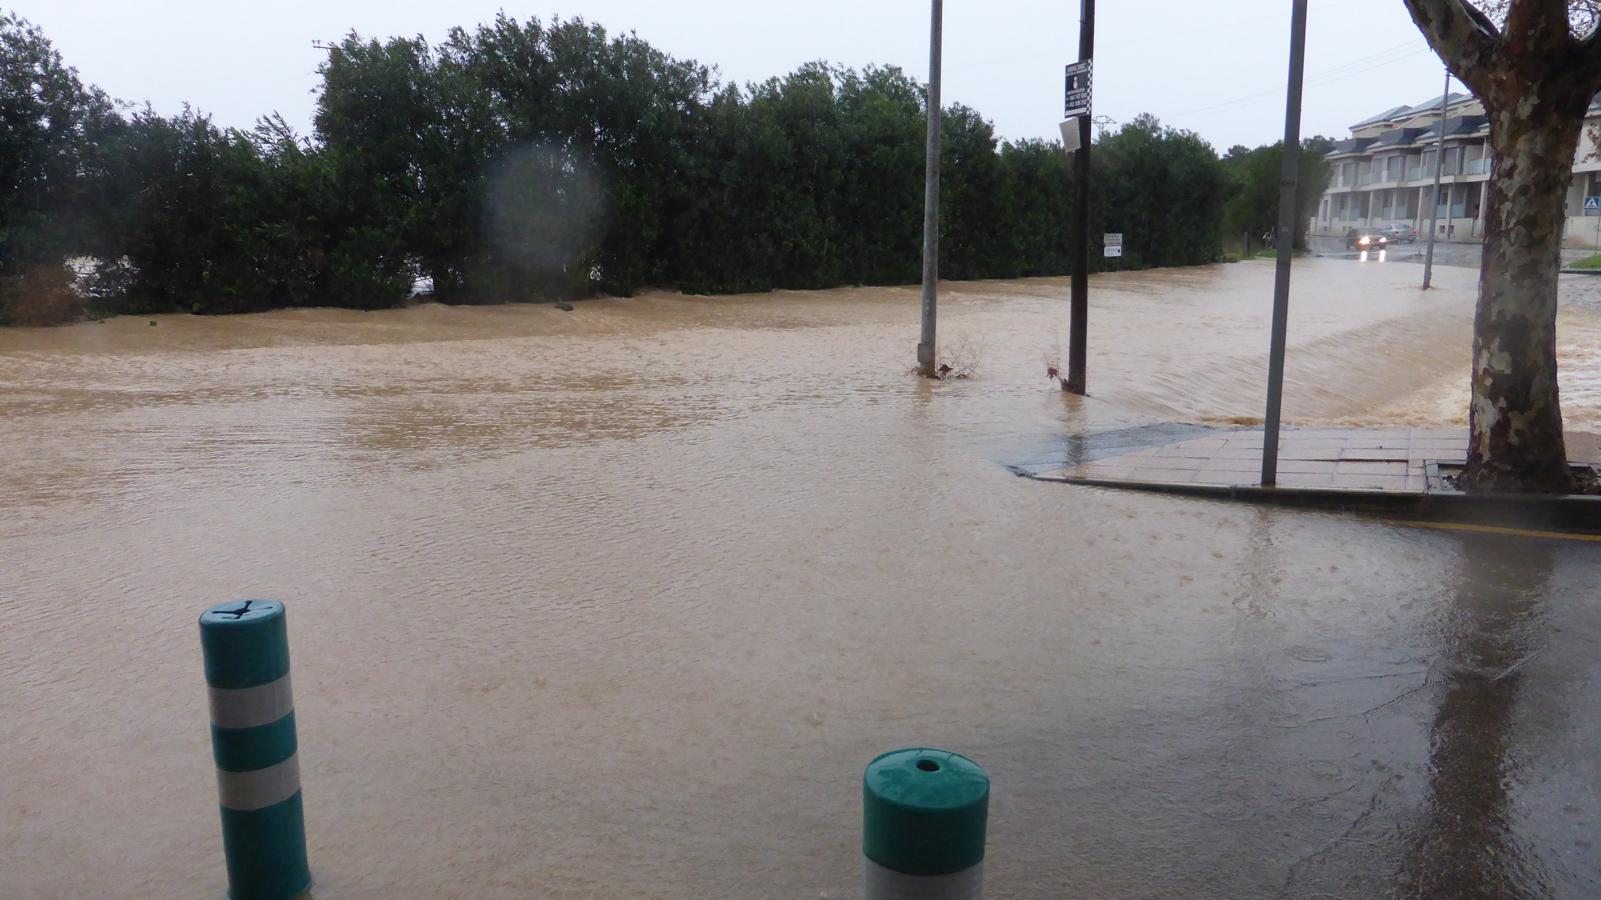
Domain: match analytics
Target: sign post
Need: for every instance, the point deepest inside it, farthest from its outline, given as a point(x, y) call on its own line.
point(1439, 168)
point(1592, 207)
point(1076, 103)
point(1112, 242)
point(925, 344)
point(1285, 244)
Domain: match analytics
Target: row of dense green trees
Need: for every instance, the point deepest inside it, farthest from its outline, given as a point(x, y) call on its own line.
point(531, 160)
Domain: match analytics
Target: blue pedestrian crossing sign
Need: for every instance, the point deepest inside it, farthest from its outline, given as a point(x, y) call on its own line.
point(1592, 205)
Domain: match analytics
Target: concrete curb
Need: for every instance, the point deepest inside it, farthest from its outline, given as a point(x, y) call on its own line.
point(1568, 512)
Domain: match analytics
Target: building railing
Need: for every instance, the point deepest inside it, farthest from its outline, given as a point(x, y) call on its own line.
point(1478, 166)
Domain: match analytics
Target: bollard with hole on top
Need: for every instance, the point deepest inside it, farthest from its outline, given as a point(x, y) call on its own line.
point(924, 813)
point(246, 649)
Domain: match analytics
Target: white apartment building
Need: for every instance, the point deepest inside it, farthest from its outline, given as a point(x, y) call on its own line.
point(1384, 173)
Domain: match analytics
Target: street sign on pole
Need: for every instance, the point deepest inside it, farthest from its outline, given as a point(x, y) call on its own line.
point(1077, 91)
point(1112, 242)
point(1592, 206)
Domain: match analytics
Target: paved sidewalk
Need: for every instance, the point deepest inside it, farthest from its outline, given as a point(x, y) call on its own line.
point(1399, 460)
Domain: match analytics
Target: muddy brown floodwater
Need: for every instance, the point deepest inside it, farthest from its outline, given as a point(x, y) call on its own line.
point(618, 603)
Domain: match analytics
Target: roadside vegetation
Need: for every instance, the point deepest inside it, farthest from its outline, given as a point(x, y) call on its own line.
point(1589, 262)
point(1251, 210)
point(530, 160)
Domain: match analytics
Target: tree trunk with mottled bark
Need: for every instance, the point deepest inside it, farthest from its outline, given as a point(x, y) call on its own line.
point(1515, 418)
point(1535, 79)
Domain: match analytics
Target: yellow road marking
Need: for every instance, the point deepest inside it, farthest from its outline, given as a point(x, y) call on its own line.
point(1498, 529)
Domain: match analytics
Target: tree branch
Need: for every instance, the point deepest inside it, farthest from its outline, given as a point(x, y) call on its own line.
point(1587, 52)
point(1464, 38)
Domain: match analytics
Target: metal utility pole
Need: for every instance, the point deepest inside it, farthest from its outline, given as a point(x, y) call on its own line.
point(1285, 241)
point(1439, 167)
point(925, 347)
point(1077, 341)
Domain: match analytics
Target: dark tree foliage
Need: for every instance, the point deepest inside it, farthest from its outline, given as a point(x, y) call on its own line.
point(49, 123)
point(1252, 208)
point(532, 160)
point(1162, 189)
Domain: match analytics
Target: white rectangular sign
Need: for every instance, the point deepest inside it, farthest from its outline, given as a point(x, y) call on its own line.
point(1114, 250)
point(1070, 135)
point(1112, 239)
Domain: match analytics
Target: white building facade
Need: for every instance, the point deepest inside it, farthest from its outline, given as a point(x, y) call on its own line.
point(1383, 174)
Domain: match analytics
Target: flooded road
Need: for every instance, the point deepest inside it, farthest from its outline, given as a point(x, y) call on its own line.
point(618, 603)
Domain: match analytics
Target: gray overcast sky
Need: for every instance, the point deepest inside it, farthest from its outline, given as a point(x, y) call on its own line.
point(1214, 67)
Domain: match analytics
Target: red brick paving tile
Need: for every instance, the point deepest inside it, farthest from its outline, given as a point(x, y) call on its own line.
point(1385, 453)
point(1188, 451)
point(1307, 466)
point(1173, 462)
point(1304, 480)
point(1233, 464)
point(1315, 444)
point(1167, 476)
point(1397, 468)
point(1094, 470)
point(1326, 453)
point(1353, 482)
point(1229, 478)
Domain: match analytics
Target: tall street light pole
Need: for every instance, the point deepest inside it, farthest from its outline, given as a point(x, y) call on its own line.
point(1078, 341)
point(1439, 167)
point(925, 347)
point(1285, 241)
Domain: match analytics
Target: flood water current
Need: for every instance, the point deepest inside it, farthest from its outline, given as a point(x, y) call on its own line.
point(618, 603)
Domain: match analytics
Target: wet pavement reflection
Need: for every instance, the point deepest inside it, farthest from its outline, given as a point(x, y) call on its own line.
point(1468, 845)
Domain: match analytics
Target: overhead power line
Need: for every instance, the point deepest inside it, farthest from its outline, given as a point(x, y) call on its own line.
point(1359, 66)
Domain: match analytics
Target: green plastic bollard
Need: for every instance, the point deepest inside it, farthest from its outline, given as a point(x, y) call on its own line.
point(924, 813)
point(246, 649)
